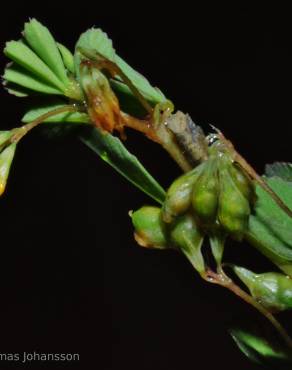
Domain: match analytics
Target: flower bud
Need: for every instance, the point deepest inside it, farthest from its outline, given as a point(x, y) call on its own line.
point(149, 227)
point(205, 194)
point(272, 289)
point(178, 197)
point(103, 105)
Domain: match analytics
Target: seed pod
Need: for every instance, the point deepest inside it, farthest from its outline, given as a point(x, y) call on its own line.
point(186, 236)
point(272, 289)
point(205, 193)
point(242, 181)
point(234, 209)
point(149, 227)
point(178, 197)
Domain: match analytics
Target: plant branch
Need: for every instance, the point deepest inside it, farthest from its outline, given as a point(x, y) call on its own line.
point(224, 281)
point(19, 132)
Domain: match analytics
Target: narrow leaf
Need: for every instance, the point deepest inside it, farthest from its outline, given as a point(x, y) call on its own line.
point(149, 92)
point(259, 349)
point(68, 57)
point(42, 42)
point(112, 151)
point(19, 76)
point(6, 158)
point(24, 56)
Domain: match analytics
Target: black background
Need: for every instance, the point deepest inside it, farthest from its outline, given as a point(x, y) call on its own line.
point(72, 279)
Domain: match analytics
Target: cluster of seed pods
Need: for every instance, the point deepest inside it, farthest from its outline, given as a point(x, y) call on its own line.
point(217, 195)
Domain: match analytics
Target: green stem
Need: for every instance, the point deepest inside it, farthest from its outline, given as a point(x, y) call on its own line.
point(226, 282)
point(23, 130)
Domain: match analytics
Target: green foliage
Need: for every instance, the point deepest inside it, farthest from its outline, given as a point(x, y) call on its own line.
point(38, 65)
point(68, 58)
point(21, 77)
point(259, 349)
point(270, 229)
point(6, 158)
point(279, 169)
point(25, 57)
point(112, 151)
point(95, 40)
point(43, 44)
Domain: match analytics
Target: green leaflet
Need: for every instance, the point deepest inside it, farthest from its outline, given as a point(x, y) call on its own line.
point(67, 57)
point(112, 151)
point(39, 65)
point(259, 349)
point(6, 158)
point(24, 56)
point(43, 44)
point(150, 93)
point(93, 39)
point(19, 76)
point(96, 40)
point(17, 90)
point(72, 117)
point(270, 229)
point(279, 169)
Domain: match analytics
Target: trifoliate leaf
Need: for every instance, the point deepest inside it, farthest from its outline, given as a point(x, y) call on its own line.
point(67, 57)
point(95, 40)
point(279, 169)
point(6, 158)
point(72, 117)
point(112, 151)
point(43, 44)
point(19, 76)
point(270, 228)
point(24, 56)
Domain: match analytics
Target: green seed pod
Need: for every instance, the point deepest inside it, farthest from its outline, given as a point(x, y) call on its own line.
point(178, 197)
point(272, 289)
point(149, 227)
point(205, 193)
point(242, 181)
point(186, 236)
point(234, 209)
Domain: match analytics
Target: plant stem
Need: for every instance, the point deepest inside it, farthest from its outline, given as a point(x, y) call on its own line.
point(226, 282)
point(23, 130)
